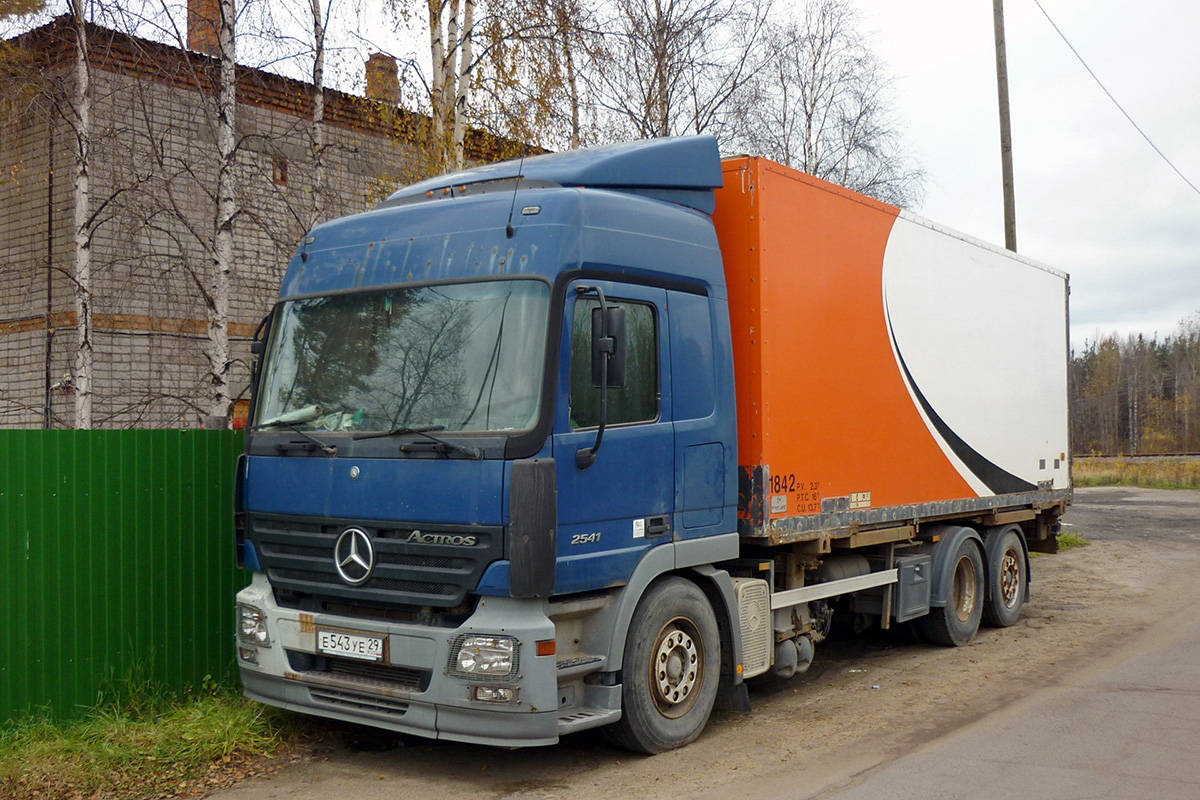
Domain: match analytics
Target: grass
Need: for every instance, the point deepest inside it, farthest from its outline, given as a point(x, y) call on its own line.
point(1153, 473)
point(1068, 540)
point(143, 744)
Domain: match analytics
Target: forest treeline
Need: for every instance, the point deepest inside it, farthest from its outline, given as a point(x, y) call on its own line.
point(1137, 395)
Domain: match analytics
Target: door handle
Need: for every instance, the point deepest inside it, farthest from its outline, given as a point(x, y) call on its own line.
point(658, 526)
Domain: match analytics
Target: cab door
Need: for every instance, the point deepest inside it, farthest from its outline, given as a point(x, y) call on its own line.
point(611, 512)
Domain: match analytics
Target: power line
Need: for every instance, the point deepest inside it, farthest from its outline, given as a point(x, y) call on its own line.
point(1103, 88)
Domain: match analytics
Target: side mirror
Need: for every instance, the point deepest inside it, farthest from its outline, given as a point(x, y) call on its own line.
point(608, 363)
point(609, 342)
point(258, 345)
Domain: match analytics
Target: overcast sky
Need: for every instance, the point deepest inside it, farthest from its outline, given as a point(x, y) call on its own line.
point(1092, 197)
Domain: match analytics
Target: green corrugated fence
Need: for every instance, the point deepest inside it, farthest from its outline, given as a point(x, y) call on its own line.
point(116, 561)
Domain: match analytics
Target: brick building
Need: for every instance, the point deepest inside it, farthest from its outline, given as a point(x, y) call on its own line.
point(153, 173)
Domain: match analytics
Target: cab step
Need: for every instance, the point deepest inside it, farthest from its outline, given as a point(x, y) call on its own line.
point(583, 718)
point(573, 666)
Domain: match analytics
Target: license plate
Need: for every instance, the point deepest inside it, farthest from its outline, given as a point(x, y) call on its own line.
point(350, 645)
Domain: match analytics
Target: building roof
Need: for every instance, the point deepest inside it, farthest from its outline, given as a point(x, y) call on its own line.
point(53, 45)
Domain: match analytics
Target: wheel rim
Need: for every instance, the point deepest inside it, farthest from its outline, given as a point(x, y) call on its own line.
point(677, 669)
point(966, 589)
point(1010, 579)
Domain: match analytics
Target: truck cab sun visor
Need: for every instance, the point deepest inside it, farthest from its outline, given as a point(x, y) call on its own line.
point(640, 168)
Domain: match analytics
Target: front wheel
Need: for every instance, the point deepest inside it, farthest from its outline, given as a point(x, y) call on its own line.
point(957, 622)
point(669, 676)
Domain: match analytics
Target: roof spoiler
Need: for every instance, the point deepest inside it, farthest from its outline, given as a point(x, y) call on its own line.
point(683, 170)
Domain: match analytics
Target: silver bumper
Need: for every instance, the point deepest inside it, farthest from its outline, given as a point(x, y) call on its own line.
point(413, 691)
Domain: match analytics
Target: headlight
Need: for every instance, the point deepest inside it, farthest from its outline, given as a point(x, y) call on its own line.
point(252, 626)
point(477, 656)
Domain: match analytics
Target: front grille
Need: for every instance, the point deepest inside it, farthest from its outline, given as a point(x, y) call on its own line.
point(357, 702)
point(396, 677)
point(414, 561)
point(297, 555)
point(428, 590)
point(369, 676)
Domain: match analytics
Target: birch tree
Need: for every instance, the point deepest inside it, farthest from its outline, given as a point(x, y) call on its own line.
point(533, 74)
point(451, 29)
point(566, 73)
point(672, 67)
point(318, 114)
point(821, 104)
point(458, 74)
point(222, 268)
point(82, 268)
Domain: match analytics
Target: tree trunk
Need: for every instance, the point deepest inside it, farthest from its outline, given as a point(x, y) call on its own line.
point(318, 121)
point(567, 32)
point(463, 78)
point(437, 85)
point(218, 324)
point(82, 271)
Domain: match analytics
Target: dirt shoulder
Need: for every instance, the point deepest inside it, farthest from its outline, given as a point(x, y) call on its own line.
point(867, 698)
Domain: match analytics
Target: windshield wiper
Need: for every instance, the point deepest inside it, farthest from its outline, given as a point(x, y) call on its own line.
point(400, 431)
point(423, 430)
point(295, 427)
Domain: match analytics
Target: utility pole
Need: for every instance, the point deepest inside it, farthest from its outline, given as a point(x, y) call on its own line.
point(1010, 206)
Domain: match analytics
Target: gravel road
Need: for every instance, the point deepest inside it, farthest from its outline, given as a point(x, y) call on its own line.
point(867, 700)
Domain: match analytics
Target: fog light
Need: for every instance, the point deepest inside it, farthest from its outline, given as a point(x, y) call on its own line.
point(252, 625)
point(248, 655)
point(493, 694)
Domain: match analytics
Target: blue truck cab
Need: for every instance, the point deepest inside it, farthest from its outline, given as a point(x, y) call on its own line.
point(490, 472)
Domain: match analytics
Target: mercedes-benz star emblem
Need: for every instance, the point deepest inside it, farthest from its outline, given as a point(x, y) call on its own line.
point(354, 556)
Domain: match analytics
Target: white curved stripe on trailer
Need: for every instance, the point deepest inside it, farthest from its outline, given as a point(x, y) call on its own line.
point(979, 334)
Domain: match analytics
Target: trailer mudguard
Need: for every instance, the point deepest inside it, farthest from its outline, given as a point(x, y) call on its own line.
point(947, 538)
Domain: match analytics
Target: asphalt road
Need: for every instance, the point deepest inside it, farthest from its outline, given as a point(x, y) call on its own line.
point(1128, 730)
point(1126, 727)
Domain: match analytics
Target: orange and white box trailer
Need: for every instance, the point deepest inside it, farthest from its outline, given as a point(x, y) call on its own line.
point(901, 392)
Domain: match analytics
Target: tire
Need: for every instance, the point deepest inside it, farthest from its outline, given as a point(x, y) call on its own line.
point(955, 624)
point(1007, 577)
point(671, 668)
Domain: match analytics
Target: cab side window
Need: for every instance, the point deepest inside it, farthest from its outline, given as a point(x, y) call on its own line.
point(638, 400)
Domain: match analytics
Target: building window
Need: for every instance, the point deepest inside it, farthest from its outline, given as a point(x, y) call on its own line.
point(279, 170)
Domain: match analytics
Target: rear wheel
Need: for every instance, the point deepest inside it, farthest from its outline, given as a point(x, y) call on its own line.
point(955, 624)
point(670, 672)
point(1006, 579)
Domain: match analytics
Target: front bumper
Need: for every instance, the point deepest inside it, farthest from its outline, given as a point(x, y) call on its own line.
point(414, 691)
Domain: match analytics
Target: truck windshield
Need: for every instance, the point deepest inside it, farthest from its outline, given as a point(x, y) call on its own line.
point(455, 357)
